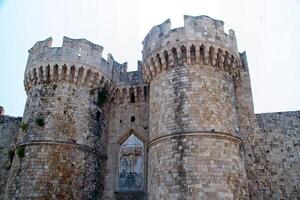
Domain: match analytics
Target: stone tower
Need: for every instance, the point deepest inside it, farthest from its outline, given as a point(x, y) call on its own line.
point(61, 143)
point(195, 146)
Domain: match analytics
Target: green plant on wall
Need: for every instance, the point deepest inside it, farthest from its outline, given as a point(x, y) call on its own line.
point(24, 126)
point(40, 122)
point(102, 97)
point(20, 151)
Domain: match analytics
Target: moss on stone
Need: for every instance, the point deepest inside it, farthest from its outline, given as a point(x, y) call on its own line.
point(20, 151)
point(24, 126)
point(102, 97)
point(40, 122)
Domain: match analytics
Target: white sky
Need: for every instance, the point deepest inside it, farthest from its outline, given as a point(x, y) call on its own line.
point(269, 31)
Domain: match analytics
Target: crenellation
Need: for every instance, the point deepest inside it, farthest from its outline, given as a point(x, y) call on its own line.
point(127, 93)
point(201, 28)
point(73, 52)
point(41, 45)
point(192, 23)
point(82, 45)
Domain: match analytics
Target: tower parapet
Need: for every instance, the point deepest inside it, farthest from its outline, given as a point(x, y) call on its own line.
point(202, 41)
point(130, 86)
point(132, 77)
point(200, 28)
point(72, 50)
point(77, 60)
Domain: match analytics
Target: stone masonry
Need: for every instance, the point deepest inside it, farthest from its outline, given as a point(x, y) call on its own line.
point(276, 163)
point(195, 146)
point(9, 127)
point(180, 127)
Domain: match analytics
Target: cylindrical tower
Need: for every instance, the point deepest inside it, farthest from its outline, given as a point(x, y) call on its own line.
point(195, 150)
point(60, 153)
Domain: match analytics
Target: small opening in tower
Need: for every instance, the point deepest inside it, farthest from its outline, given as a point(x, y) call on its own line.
point(132, 99)
point(193, 53)
point(202, 53)
point(131, 95)
point(145, 92)
point(132, 119)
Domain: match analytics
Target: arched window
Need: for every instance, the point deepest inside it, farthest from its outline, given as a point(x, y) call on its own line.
point(131, 164)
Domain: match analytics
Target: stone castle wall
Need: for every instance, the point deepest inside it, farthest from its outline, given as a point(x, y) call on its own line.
point(126, 118)
point(9, 128)
point(276, 147)
point(270, 145)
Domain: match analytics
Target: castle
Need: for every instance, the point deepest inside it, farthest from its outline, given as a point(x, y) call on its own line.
point(180, 127)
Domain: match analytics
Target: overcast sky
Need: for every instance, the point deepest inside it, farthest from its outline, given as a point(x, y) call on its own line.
point(268, 30)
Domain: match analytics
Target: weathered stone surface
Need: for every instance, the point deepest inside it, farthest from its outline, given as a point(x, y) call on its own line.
point(9, 128)
point(66, 154)
point(199, 166)
point(192, 99)
point(276, 164)
point(193, 151)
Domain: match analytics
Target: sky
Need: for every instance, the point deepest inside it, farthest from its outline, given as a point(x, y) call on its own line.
point(268, 30)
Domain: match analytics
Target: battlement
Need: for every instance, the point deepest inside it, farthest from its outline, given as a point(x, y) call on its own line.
point(202, 41)
point(129, 78)
point(200, 28)
point(72, 50)
point(128, 94)
point(77, 60)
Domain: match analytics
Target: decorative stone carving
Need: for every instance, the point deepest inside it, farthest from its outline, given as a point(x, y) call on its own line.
point(131, 164)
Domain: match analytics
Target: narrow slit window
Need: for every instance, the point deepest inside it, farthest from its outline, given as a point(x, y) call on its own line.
point(132, 99)
point(145, 93)
point(132, 95)
point(132, 119)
